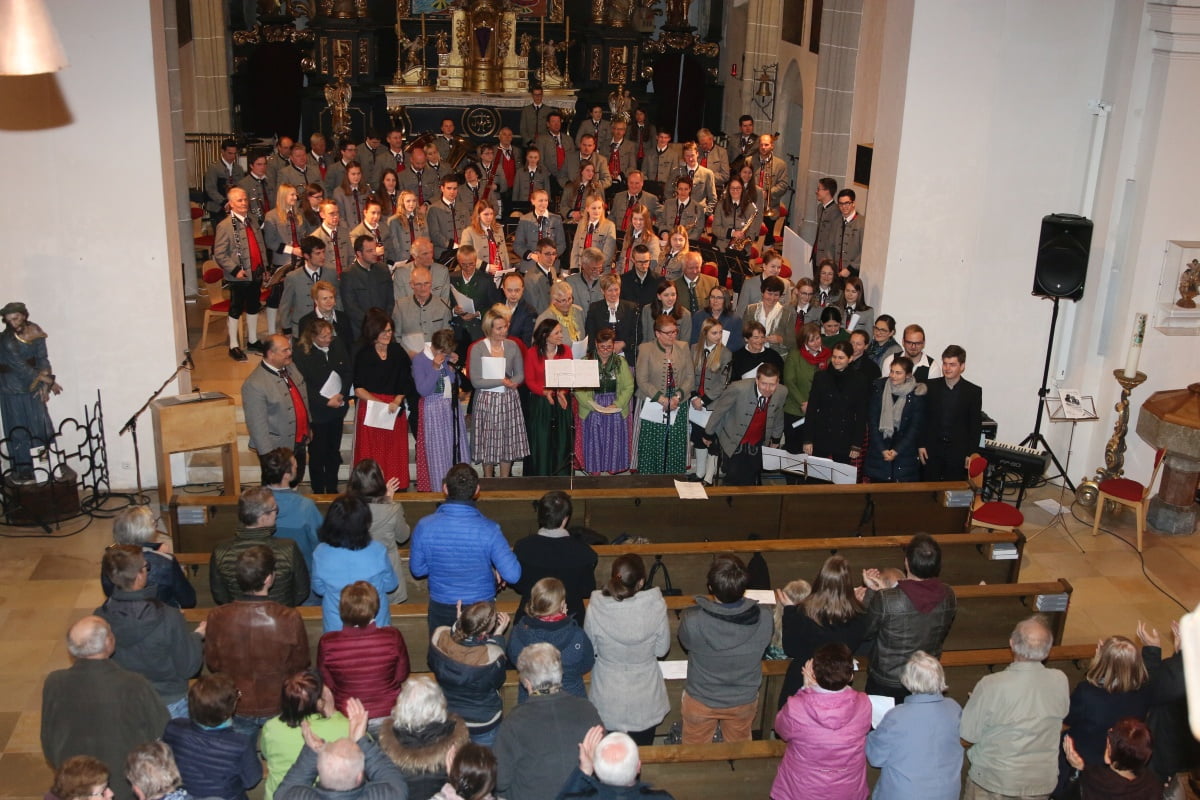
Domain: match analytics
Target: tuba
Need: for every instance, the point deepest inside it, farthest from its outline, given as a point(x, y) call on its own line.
point(461, 148)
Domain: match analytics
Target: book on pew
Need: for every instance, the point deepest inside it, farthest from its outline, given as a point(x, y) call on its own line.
point(1052, 602)
point(1003, 551)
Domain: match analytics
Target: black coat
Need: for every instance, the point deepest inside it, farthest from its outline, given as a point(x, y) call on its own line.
point(626, 327)
point(1175, 749)
point(837, 412)
point(316, 368)
point(904, 440)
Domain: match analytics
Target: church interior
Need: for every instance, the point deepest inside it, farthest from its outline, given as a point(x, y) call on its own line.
point(959, 125)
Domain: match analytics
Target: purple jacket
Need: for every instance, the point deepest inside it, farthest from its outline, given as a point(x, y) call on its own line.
point(826, 756)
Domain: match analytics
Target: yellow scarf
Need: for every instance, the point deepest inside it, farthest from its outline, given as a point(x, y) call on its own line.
point(568, 323)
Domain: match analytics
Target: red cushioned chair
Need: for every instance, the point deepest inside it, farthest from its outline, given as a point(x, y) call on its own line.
point(993, 515)
point(202, 244)
point(1126, 492)
point(216, 308)
point(709, 268)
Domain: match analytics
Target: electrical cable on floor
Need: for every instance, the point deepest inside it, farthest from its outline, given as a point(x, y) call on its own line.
point(1141, 557)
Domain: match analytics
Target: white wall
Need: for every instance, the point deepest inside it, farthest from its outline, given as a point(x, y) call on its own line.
point(89, 238)
point(993, 134)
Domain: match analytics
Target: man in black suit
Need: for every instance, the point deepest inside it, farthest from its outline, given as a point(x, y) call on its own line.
point(520, 324)
point(953, 420)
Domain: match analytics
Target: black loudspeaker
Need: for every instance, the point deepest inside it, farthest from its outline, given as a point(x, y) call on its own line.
point(1062, 256)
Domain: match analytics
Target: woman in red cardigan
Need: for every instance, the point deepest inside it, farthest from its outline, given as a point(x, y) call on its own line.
point(363, 660)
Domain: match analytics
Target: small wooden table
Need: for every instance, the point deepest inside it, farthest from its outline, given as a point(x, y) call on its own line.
point(193, 422)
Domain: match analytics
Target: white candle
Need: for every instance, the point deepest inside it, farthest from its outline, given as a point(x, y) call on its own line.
point(1135, 346)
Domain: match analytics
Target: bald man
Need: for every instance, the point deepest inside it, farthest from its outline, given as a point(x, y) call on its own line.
point(350, 767)
point(1013, 720)
point(98, 708)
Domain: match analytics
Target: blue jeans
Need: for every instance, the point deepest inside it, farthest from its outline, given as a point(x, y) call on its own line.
point(486, 739)
point(250, 726)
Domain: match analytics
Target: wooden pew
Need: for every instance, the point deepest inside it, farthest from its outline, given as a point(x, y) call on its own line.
point(986, 616)
point(747, 769)
point(773, 512)
point(965, 559)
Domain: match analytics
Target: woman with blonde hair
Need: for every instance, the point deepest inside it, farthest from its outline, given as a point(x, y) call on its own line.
point(283, 228)
point(595, 230)
point(497, 424)
point(547, 621)
point(486, 235)
point(830, 613)
point(711, 358)
point(675, 247)
point(406, 225)
point(641, 231)
point(1116, 686)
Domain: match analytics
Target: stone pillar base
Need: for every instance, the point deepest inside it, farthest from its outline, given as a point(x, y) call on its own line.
point(1170, 519)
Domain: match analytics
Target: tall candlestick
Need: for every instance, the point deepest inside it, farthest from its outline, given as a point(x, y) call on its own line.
point(567, 38)
point(422, 26)
point(542, 29)
point(1135, 346)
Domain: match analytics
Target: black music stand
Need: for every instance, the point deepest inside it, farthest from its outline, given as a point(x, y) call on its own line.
point(1083, 409)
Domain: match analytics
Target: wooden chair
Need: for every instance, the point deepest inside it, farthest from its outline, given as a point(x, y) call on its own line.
point(217, 306)
point(1127, 492)
point(993, 515)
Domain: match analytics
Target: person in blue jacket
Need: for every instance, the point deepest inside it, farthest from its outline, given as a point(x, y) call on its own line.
point(463, 553)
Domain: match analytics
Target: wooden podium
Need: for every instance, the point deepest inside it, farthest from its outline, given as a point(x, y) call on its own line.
point(194, 422)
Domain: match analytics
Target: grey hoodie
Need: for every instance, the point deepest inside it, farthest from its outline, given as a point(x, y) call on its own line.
point(725, 647)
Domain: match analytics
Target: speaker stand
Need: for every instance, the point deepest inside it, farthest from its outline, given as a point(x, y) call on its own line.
point(1036, 439)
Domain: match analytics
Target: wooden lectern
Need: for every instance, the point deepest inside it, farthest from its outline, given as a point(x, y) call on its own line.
point(194, 422)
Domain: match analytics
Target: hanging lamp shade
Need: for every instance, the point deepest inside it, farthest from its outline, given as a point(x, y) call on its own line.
point(29, 44)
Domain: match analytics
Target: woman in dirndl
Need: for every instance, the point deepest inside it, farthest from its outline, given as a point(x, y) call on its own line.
point(382, 374)
point(665, 377)
point(550, 430)
point(497, 424)
point(441, 430)
point(604, 412)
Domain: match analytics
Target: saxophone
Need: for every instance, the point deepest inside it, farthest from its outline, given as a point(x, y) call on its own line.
point(740, 245)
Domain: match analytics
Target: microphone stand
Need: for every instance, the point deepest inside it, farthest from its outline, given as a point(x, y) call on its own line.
point(131, 424)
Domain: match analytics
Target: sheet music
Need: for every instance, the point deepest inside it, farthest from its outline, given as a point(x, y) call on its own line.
point(673, 670)
point(563, 374)
point(379, 416)
point(700, 416)
point(493, 368)
point(652, 411)
point(880, 706)
point(413, 342)
point(725, 337)
point(461, 300)
point(764, 597)
point(753, 373)
point(824, 469)
point(688, 490)
point(796, 251)
point(332, 386)
point(579, 350)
